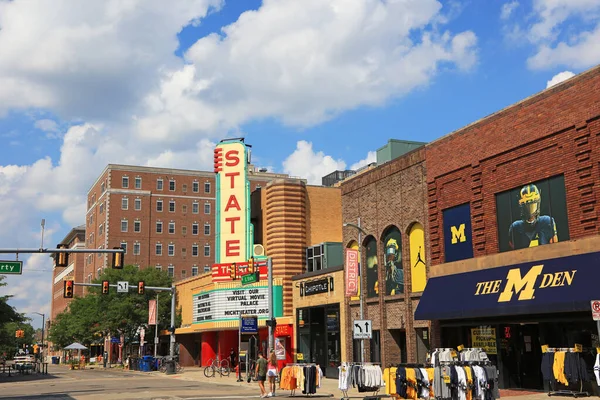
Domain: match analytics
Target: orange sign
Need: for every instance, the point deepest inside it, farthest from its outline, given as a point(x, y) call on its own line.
point(232, 203)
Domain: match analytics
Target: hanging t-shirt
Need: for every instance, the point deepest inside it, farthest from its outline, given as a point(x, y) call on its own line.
point(343, 377)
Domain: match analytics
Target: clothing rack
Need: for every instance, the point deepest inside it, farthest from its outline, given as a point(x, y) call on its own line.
point(376, 394)
point(565, 392)
point(293, 391)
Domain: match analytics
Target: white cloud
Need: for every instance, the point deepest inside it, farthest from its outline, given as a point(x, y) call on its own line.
point(310, 165)
point(109, 70)
point(282, 61)
point(371, 157)
point(558, 78)
point(88, 62)
point(313, 165)
point(47, 125)
point(565, 33)
point(507, 9)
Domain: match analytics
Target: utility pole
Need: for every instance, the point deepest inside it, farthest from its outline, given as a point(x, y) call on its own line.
point(156, 326)
point(172, 344)
point(270, 302)
point(360, 274)
point(43, 327)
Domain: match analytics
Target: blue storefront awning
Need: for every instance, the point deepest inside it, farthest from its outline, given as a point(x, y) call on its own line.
point(563, 284)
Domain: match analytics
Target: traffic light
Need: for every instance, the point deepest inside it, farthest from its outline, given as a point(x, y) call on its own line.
point(62, 259)
point(105, 287)
point(233, 271)
point(141, 287)
point(20, 333)
point(251, 265)
point(68, 293)
point(271, 322)
point(117, 259)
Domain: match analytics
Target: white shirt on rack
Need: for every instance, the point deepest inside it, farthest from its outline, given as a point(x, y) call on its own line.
point(462, 383)
point(597, 369)
point(344, 372)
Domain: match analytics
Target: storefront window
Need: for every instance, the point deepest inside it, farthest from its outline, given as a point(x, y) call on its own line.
point(372, 268)
point(333, 336)
point(319, 337)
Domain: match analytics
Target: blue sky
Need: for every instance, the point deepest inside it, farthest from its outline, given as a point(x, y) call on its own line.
point(314, 86)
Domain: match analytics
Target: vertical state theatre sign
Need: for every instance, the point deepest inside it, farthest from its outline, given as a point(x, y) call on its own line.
point(233, 229)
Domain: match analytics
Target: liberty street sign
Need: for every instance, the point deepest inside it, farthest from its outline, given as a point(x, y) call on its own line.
point(11, 267)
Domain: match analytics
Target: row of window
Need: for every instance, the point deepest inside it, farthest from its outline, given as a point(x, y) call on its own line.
point(159, 206)
point(137, 227)
point(160, 185)
point(158, 249)
point(195, 207)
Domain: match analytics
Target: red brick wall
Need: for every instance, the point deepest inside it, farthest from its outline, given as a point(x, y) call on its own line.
point(391, 194)
point(554, 132)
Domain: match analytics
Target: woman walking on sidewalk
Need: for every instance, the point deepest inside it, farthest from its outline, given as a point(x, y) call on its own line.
point(272, 373)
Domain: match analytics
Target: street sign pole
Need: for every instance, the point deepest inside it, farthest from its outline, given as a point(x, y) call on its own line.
point(239, 368)
point(270, 279)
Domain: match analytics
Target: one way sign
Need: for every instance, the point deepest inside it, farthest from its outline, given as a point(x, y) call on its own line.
point(363, 329)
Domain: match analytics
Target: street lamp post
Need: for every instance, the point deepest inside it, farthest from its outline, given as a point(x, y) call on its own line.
point(43, 327)
point(361, 288)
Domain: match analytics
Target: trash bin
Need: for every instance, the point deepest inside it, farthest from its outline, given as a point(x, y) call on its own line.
point(146, 363)
point(54, 360)
point(170, 365)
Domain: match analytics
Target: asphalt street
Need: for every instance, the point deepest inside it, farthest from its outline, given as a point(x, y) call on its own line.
point(62, 383)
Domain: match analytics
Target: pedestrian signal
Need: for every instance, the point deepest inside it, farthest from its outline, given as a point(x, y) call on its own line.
point(117, 259)
point(141, 287)
point(105, 287)
point(68, 293)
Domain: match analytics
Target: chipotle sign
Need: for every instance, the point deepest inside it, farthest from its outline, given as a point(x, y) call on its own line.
point(352, 272)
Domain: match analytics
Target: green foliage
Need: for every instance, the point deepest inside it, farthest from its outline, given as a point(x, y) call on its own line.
point(7, 312)
point(90, 318)
point(9, 318)
point(10, 344)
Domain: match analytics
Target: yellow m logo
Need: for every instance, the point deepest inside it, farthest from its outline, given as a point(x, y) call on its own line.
point(524, 286)
point(458, 234)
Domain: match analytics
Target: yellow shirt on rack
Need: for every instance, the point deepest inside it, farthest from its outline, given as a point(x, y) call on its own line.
point(431, 377)
point(468, 371)
point(411, 378)
point(559, 367)
point(389, 377)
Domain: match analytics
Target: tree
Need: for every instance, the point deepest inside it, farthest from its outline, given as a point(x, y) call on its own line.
point(8, 316)
point(12, 344)
point(115, 314)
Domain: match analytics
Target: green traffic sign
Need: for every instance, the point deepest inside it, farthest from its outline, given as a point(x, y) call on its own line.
point(11, 267)
point(249, 278)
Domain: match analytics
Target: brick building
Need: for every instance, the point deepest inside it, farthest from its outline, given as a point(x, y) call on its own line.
point(288, 217)
point(165, 218)
point(388, 202)
point(513, 229)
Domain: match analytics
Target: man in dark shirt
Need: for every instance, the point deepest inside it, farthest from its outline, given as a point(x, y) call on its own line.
point(261, 373)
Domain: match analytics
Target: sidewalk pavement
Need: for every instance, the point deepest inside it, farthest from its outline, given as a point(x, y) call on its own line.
point(329, 387)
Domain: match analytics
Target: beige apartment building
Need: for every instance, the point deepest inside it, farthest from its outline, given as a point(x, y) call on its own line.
point(164, 218)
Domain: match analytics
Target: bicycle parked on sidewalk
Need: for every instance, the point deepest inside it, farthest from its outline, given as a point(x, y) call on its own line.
point(163, 365)
point(217, 365)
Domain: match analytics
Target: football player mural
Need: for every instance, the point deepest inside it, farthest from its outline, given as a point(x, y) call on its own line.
point(536, 213)
point(394, 274)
